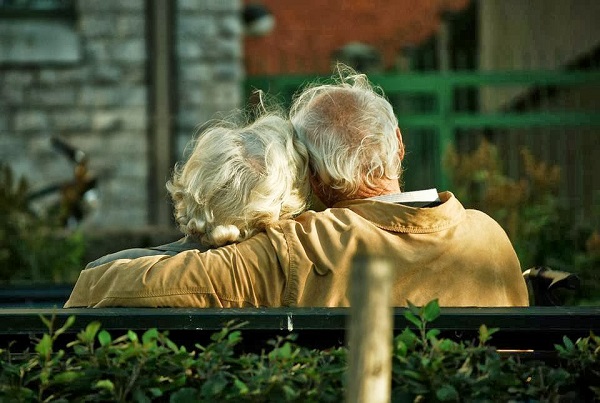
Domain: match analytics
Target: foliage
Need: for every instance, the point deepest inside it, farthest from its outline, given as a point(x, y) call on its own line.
point(429, 368)
point(33, 247)
point(542, 231)
point(97, 367)
point(100, 368)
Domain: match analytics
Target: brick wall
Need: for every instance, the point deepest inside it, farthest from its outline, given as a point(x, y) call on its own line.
point(307, 32)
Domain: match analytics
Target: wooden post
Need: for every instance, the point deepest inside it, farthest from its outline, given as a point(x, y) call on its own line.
point(370, 332)
point(160, 48)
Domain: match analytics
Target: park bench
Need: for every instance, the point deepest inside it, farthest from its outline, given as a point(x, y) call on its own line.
point(535, 328)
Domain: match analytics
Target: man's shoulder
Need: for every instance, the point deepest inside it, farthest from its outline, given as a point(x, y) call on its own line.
point(481, 218)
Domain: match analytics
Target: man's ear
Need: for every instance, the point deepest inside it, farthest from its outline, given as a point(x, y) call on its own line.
point(320, 191)
point(400, 144)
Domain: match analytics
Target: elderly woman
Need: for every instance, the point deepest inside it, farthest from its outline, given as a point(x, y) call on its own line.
point(236, 181)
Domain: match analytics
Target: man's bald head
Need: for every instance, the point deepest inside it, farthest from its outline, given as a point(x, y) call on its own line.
point(350, 131)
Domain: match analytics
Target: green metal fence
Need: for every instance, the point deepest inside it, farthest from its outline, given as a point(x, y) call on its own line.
point(434, 108)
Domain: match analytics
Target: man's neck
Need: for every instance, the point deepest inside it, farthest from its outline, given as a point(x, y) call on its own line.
point(382, 188)
point(385, 189)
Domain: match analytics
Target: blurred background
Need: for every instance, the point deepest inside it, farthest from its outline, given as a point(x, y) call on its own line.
point(498, 101)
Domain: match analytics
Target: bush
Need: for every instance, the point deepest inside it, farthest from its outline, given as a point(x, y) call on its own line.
point(34, 248)
point(97, 367)
point(541, 229)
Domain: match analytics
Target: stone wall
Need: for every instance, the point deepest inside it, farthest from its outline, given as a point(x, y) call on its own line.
point(209, 69)
point(100, 103)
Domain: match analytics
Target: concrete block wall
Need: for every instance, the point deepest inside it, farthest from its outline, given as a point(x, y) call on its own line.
point(209, 69)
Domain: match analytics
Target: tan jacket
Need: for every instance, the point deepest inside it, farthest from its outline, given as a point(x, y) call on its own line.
point(462, 257)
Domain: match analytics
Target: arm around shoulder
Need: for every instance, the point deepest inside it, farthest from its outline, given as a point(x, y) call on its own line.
point(238, 275)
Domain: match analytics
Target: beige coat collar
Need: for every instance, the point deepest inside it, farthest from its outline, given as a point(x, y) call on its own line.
point(407, 219)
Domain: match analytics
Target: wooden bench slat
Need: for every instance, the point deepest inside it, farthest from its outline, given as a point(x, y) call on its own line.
point(520, 328)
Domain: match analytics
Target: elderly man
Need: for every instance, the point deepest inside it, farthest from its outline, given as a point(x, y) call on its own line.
point(438, 248)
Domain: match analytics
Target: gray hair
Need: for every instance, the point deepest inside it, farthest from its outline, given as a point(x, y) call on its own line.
point(349, 129)
point(239, 179)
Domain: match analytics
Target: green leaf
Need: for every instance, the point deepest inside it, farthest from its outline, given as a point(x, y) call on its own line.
point(432, 334)
point(214, 385)
point(408, 337)
point(44, 375)
point(413, 308)
point(44, 346)
point(105, 384)
point(220, 335)
point(485, 334)
point(445, 345)
point(104, 338)
point(47, 322)
point(412, 374)
point(171, 345)
point(139, 396)
point(184, 395)
point(132, 336)
point(401, 348)
point(155, 392)
point(149, 336)
point(234, 337)
point(283, 352)
point(290, 393)
point(413, 319)
point(89, 334)
point(242, 387)
point(68, 323)
point(568, 343)
point(67, 377)
point(446, 392)
point(431, 311)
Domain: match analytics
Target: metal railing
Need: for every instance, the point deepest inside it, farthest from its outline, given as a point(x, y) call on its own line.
point(429, 108)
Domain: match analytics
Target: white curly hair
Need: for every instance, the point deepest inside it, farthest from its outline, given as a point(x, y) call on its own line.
point(238, 179)
point(349, 129)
